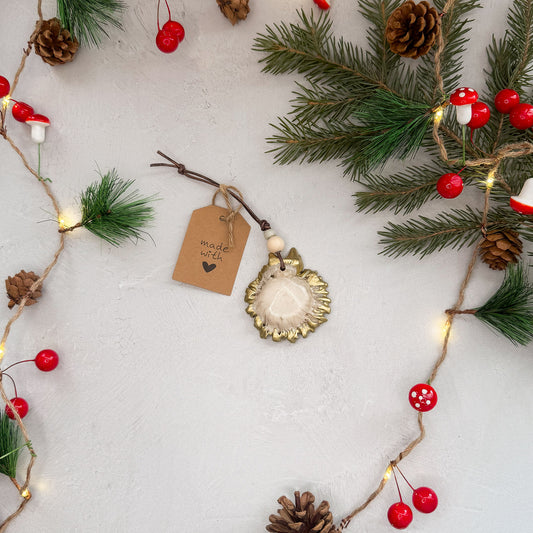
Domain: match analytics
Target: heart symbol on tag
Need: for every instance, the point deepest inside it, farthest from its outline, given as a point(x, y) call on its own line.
point(208, 267)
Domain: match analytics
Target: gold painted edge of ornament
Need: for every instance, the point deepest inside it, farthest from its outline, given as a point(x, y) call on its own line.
point(318, 287)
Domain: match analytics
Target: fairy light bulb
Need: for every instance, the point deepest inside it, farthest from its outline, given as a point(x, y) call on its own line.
point(438, 114)
point(25, 493)
point(388, 474)
point(490, 179)
point(5, 101)
point(446, 327)
point(2, 351)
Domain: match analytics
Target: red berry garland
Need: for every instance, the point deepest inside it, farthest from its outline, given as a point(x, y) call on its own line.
point(20, 405)
point(505, 100)
point(450, 185)
point(521, 116)
point(400, 515)
point(423, 397)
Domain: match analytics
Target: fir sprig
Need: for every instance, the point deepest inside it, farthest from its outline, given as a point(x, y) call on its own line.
point(454, 229)
point(510, 310)
point(87, 19)
point(11, 443)
point(114, 213)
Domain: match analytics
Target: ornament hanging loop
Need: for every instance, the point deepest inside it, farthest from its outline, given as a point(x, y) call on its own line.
point(229, 218)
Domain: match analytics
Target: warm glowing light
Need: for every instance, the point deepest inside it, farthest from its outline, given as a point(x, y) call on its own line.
point(439, 112)
point(446, 327)
point(25, 493)
point(62, 223)
point(5, 101)
point(490, 179)
point(388, 473)
point(2, 351)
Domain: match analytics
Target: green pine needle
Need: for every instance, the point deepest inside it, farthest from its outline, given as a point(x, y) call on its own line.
point(87, 19)
point(510, 310)
point(11, 443)
point(113, 212)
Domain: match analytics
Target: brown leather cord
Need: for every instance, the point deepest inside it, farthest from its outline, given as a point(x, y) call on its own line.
point(180, 167)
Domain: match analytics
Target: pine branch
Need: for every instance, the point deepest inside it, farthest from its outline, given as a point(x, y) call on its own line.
point(309, 48)
point(87, 19)
point(402, 192)
point(112, 212)
point(454, 229)
point(510, 310)
point(11, 443)
point(304, 141)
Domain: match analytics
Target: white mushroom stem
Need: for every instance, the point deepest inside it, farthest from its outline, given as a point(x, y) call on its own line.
point(38, 133)
point(464, 113)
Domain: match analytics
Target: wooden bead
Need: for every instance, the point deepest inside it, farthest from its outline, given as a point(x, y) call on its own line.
point(275, 244)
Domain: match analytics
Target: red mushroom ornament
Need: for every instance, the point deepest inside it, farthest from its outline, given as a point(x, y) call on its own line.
point(38, 124)
point(462, 99)
point(523, 203)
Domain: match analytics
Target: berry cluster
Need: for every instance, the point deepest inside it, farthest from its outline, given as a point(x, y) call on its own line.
point(170, 35)
point(507, 102)
point(46, 361)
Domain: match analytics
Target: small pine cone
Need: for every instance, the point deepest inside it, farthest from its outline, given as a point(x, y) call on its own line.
point(301, 516)
point(412, 29)
point(234, 10)
point(501, 248)
point(19, 285)
point(55, 44)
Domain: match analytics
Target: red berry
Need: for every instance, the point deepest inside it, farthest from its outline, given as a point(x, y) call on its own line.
point(400, 515)
point(423, 397)
point(4, 87)
point(425, 500)
point(21, 111)
point(20, 405)
point(166, 41)
point(480, 115)
point(175, 27)
point(322, 4)
point(46, 360)
point(450, 185)
point(505, 100)
point(521, 116)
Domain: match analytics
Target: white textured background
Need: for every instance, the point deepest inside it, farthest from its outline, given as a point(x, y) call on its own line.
point(168, 412)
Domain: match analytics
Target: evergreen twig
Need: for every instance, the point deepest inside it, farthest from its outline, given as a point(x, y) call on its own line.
point(114, 213)
point(87, 19)
point(11, 443)
point(510, 310)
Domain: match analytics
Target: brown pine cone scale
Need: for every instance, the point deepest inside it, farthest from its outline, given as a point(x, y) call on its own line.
point(501, 248)
point(54, 44)
point(412, 29)
point(234, 10)
point(301, 516)
point(18, 287)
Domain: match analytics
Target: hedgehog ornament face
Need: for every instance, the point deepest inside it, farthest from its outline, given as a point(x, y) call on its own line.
point(287, 303)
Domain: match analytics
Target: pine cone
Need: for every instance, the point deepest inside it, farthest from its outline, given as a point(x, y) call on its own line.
point(234, 10)
point(302, 517)
point(501, 248)
point(412, 29)
point(18, 286)
point(55, 44)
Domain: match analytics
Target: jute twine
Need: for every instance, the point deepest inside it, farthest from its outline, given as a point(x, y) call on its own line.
point(229, 217)
point(37, 284)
